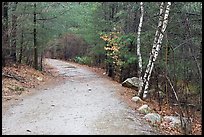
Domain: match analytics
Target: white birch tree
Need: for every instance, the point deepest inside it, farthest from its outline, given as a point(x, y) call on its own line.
point(138, 45)
point(163, 21)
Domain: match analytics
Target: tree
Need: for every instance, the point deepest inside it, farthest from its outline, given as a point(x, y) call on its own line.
point(35, 39)
point(163, 20)
point(13, 33)
point(5, 32)
point(139, 45)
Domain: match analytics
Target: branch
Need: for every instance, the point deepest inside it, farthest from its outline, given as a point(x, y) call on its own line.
point(189, 13)
point(13, 76)
point(182, 43)
point(172, 88)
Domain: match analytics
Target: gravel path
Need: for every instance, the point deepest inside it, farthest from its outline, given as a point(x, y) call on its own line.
point(85, 103)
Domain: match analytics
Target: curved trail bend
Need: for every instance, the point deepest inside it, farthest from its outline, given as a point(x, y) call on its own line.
point(85, 103)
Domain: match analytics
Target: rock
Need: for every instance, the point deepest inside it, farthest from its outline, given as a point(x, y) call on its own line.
point(39, 78)
point(28, 130)
point(136, 99)
point(153, 118)
point(174, 121)
point(144, 109)
point(133, 82)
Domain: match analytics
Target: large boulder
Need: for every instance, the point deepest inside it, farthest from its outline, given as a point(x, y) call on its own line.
point(145, 109)
point(174, 121)
point(133, 82)
point(153, 118)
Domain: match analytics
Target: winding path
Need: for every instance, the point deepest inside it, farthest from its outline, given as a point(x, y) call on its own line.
point(85, 103)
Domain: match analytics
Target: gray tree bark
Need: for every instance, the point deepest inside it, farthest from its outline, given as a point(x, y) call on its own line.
point(35, 39)
point(14, 32)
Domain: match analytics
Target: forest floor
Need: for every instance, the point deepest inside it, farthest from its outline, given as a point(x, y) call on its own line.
point(25, 91)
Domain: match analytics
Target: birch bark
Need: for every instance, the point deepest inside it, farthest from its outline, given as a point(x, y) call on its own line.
point(138, 45)
point(163, 20)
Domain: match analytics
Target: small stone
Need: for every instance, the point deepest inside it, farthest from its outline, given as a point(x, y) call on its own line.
point(144, 109)
point(153, 118)
point(28, 130)
point(39, 78)
point(136, 99)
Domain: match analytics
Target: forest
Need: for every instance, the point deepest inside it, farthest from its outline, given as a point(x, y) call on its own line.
point(160, 43)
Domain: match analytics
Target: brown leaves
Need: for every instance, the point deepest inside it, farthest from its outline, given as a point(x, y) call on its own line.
point(164, 127)
point(197, 127)
point(18, 79)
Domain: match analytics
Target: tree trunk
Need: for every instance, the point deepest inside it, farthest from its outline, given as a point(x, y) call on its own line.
point(41, 62)
point(35, 39)
point(14, 27)
point(5, 43)
point(163, 20)
point(189, 45)
point(21, 48)
point(138, 46)
point(140, 94)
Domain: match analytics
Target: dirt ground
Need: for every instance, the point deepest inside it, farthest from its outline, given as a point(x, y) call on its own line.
point(83, 103)
point(68, 98)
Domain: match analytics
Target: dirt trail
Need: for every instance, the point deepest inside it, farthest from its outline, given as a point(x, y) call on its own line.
point(85, 103)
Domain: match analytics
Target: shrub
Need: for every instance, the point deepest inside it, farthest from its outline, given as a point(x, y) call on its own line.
point(83, 60)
